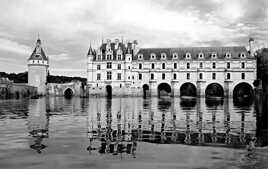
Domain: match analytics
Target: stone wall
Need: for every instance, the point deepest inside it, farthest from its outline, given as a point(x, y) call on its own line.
point(15, 90)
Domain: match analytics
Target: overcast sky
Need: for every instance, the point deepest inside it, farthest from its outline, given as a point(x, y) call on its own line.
point(67, 27)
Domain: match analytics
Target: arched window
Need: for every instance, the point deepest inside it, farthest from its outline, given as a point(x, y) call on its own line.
point(152, 76)
point(163, 76)
point(228, 55)
point(140, 56)
point(153, 56)
point(163, 56)
point(175, 55)
point(228, 76)
point(175, 65)
point(188, 55)
point(163, 66)
point(242, 55)
point(174, 76)
point(214, 55)
point(200, 76)
point(200, 55)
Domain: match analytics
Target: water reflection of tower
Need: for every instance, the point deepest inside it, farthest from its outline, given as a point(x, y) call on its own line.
point(38, 124)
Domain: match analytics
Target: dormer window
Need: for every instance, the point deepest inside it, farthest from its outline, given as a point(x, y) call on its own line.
point(242, 55)
point(201, 56)
point(228, 55)
point(99, 57)
point(163, 56)
point(188, 55)
point(153, 56)
point(175, 55)
point(214, 55)
point(119, 57)
point(109, 57)
point(140, 56)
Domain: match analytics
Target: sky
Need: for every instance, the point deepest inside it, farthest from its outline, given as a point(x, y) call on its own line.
point(68, 27)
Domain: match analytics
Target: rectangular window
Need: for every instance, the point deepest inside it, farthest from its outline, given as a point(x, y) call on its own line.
point(109, 57)
point(140, 66)
point(201, 65)
point(174, 76)
point(109, 75)
point(98, 76)
point(152, 65)
point(200, 76)
point(175, 65)
point(109, 65)
point(118, 76)
point(242, 75)
point(242, 65)
point(119, 66)
point(188, 76)
point(152, 76)
point(98, 67)
point(163, 76)
point(213, 65)
point(228, 76)
point(228, 65)
point(213, 75)
point(188, 65)
point(140, 76)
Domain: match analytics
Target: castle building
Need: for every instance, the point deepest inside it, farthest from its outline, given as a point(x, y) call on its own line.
point(38, 69)
point(119, 69)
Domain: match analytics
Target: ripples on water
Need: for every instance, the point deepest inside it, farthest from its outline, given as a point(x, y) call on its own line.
point(118, 125)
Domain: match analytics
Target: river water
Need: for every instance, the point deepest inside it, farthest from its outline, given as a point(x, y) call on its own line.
point(56, 132)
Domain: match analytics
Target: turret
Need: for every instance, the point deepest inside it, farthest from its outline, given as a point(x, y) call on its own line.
point(251, 51)
point(38, 69)
point(90, 56)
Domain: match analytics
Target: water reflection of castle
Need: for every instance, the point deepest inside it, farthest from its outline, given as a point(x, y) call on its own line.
point(173, 121)
point(38, 121)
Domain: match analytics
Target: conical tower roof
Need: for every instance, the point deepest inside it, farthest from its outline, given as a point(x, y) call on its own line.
point(38, 52)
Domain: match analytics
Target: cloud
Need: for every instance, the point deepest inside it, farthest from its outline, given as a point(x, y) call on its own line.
point(14, 47)
point(67, 27)
point(59, 57)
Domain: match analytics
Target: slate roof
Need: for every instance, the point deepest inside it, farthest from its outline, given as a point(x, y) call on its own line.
point(124, 47)
point(38, 52)
point(194, 51)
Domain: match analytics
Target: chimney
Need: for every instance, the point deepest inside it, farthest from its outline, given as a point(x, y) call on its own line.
point(116, 43)
point(251, 51)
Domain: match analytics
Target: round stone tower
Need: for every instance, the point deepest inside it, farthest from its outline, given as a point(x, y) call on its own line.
point(38, 69)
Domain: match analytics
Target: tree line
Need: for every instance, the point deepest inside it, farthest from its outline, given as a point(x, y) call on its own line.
point(23, 78)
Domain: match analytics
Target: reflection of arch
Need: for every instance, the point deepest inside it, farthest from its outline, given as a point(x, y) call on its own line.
point(214, 90)
point(188, 89)
point(145, 88)
point(109, 91)
point(243, 93)
point(163, 89)
point(68, 93)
